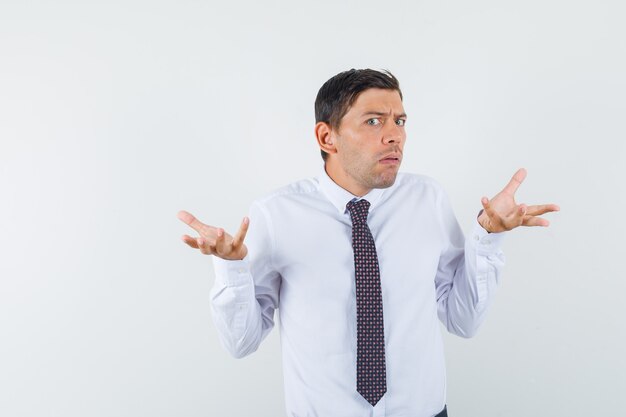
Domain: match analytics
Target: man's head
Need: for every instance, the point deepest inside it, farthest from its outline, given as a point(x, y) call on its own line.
point(360, 129)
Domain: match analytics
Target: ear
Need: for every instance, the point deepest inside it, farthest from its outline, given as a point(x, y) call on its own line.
point(325, 137)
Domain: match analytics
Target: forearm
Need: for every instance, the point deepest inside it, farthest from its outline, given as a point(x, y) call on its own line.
point(242, 312)
point(463, 306)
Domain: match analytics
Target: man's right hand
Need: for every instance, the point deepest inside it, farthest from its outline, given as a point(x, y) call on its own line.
point(214, 240)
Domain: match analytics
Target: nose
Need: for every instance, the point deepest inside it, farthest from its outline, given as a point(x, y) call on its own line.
point(394, 134)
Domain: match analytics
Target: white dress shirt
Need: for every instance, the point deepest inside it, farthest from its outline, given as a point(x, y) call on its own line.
point(300, 261)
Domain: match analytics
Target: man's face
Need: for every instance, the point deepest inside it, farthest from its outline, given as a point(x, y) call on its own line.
point(370, 140)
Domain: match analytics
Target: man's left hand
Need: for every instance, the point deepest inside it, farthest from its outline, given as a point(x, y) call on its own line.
point(502, 213)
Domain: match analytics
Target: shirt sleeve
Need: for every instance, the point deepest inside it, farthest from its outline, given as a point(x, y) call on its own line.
point(468, 273)
point(246, 292)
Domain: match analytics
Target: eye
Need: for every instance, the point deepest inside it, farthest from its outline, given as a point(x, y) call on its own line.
point(401, 122)
point(373, 122)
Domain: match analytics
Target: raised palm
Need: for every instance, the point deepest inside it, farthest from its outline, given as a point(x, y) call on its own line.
point(502, 213)
point(214, 240)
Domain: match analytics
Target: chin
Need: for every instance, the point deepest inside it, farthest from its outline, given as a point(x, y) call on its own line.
point(386, 181)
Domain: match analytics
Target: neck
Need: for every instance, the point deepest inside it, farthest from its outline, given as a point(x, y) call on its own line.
point(342, 179)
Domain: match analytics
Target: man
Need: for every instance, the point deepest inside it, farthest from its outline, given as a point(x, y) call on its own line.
point(360, 261)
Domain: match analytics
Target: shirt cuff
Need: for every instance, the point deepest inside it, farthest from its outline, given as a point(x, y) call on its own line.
point(231, 273)
point(484, 241)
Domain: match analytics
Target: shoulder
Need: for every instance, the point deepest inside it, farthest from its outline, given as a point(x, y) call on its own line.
point(409, 182)
point(416, 189)
point(298, 190)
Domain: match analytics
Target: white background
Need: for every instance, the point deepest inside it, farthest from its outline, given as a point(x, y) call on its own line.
point(115, 115)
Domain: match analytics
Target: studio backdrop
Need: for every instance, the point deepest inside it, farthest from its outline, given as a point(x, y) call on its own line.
point(116, 115)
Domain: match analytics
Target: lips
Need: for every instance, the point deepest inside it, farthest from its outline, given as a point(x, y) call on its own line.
point(391, 158)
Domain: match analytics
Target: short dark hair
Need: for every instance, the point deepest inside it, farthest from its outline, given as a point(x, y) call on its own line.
point(339, 93)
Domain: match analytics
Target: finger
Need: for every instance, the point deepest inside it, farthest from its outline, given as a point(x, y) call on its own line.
point(220, 242)
point(204, 246)
point(195, 224)
point(190, 241)
point(515, 218)
point(540, 209)
point(515, 182)
point(241, 233)
point(535, 221)
point(494, 218)
point(520, 213)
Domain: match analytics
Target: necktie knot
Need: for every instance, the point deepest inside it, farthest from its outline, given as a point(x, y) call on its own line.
point(358, 210)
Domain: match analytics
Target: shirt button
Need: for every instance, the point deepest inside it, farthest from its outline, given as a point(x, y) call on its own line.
point(476, 238)
point(241, 270)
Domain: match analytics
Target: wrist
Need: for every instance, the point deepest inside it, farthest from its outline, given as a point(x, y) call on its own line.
point(482, 219)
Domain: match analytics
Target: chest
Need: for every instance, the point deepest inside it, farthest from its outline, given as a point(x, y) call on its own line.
point(314, 255)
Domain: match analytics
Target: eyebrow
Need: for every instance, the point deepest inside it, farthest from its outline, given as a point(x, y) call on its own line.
point(379, 113)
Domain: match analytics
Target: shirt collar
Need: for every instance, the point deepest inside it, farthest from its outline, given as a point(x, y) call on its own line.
point(340, 197)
